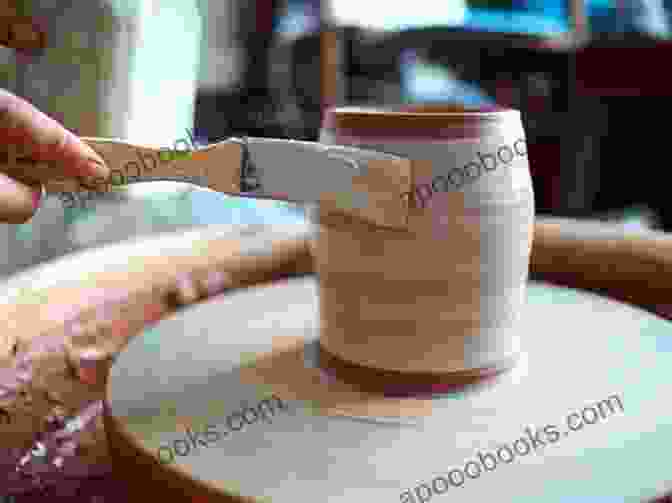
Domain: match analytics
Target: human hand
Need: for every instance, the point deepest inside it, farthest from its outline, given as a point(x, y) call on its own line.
point(35, 148)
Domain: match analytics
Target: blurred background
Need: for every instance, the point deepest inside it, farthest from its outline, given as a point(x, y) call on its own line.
point(589, 77)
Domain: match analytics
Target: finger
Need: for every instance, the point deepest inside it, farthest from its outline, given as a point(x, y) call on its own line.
point(18, 201)
point(19, 166)
point(28, 172)
point(44, 139)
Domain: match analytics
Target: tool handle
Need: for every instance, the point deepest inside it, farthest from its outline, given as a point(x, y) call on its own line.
point(215, 166)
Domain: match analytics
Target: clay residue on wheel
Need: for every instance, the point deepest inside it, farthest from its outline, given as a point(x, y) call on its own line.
point(284, 371)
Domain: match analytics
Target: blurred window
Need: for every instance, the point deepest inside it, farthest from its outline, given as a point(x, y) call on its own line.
point(539, 17)
point(297, 18)
point(648, 17)
point(425, 82)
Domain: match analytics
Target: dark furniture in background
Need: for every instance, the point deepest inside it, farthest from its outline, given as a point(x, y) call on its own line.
point(631, 92)
point(278, 88)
